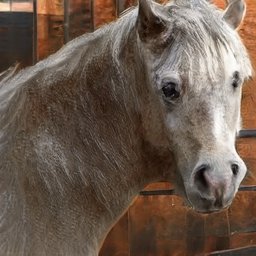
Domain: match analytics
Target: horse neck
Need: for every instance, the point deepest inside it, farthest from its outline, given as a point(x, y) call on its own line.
point(130, 156)
point(108, 129)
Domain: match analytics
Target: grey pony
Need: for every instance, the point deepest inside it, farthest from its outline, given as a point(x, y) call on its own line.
point(153, 96)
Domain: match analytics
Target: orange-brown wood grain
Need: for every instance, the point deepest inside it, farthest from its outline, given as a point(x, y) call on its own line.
point(50, 7)
point(117, 242)
point(50, 34)
point(248, 33)
point(104, 11)
point(157, 225)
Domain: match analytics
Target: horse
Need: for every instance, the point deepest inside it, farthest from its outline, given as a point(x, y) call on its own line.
point(152, 96)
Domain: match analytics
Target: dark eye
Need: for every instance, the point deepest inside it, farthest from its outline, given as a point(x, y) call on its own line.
point(236, 79)
point(170, 90)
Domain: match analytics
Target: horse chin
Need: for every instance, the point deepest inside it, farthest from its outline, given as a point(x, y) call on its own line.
point(210, 211)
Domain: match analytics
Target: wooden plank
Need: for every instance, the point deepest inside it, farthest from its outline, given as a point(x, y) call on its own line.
point(242, 239)
point(216, 243)
point(158, 186)
point(195, 230)
point(17, 6)
point(80, 17)
point(50, 7)
point(117, 241)
point(22, 6)
point(217, 224)
point(50, 27)
point(5, 7)
point(157, 226)
point(247, 150)
point(242, 217)
point(248, 34)
point(104, 12)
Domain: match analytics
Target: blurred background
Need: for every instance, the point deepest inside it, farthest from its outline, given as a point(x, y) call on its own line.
point(157, 224)
point(30, 30)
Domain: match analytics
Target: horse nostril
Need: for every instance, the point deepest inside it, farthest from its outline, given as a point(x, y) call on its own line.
point(235, 169)
point(200, 178)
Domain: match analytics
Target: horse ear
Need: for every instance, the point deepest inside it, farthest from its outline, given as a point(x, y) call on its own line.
point(234, 13)
point(149, 24)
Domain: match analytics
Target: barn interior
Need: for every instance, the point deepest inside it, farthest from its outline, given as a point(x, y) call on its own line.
point(158, 222)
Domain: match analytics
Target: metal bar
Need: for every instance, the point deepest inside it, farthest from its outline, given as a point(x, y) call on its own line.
point(92, 15)
point(117, 8)
point(164, 192)
point(248, 251)
point(66, 21)
point(247, 133)
point(247, 188)
point(167, 192)
point(35, 44)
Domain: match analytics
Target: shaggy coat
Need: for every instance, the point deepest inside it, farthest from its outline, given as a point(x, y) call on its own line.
point(83, 131)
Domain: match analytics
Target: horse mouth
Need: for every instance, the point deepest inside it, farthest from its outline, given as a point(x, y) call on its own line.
point(206, 207)
point(201, 205)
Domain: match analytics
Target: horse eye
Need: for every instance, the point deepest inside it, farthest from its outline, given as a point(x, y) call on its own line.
point(236, 79)
point(170, 90)
point(235, 84)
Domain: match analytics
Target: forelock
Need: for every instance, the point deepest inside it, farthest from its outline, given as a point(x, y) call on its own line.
point(199, 36)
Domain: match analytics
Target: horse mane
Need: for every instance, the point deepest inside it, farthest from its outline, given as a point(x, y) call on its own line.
point(198, 30)
point(10, 72)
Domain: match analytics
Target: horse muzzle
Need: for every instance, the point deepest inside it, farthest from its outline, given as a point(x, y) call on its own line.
point(213, 189)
